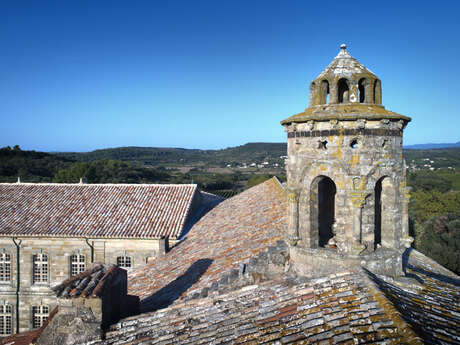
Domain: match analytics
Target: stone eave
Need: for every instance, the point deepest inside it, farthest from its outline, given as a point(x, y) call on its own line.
point(344, 112)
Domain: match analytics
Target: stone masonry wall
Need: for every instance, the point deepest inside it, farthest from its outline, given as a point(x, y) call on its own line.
point(355, 154)
point(59, 251)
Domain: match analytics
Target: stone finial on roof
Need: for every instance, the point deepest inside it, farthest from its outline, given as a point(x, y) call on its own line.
point(343, 52)
point(345, 81)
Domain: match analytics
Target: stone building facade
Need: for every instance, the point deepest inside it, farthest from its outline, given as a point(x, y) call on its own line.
point(51, 232)
point(347, 193)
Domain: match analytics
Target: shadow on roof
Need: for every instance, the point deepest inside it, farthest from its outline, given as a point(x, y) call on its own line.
point(441, 277)
point(430, 309)
point(169, 293)
point(209, 202)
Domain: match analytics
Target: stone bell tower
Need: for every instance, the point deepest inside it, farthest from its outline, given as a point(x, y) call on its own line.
point(346, 177)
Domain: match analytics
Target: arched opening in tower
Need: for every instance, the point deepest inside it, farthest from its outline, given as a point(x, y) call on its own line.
point(378, 214)
point(343, 91)
point(362, 90)
point(324, 92)
point(384, 220)
point(326, 210)
point(377, 92)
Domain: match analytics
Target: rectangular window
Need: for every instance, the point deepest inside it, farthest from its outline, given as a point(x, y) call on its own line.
point(5, 319)
point(5, 267)
point(39, 315)
point(124, 261)
point(40, 268)
point(77, 264)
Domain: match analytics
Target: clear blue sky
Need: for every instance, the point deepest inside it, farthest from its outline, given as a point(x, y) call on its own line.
point(82, 75)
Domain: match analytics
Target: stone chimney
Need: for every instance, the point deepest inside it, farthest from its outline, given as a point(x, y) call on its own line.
point(88, 304)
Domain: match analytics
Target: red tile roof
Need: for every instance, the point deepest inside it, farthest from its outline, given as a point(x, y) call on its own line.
point(94, 210)
point(88, 284)
point(354, 307)
point(228, 235)
point(331, 310)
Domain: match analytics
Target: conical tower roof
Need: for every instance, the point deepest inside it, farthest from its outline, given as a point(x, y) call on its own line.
point(345, 66)
point(345, 90)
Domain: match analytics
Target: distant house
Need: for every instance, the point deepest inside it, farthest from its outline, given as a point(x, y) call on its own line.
point(54, 231)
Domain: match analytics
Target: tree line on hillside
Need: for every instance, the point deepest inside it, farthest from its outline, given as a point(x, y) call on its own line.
point(33, 166)
point(247, 153)
point(154, 156)
point(434, 212)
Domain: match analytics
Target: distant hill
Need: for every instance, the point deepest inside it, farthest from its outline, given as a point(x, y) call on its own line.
point(433, 158)
point(144, 155)
point(431, 146)
point(155, 156)
point(448, 156)
point(35, 166)
point(31, 166)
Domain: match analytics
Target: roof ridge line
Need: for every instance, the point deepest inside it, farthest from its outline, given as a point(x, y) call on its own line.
point(405, 329)
point(278, 184)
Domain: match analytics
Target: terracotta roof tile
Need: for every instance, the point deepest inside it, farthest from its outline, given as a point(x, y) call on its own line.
point(345, 308)
point(337, 309)
point(429, 300)
point(230, 234)
point(94, 210)
point(90, 283)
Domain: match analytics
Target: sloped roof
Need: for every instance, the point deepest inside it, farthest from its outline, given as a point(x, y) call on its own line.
point(88, 284)
point(351, 307)
point(333, 309)
point(344, 65)
point(429, 300)
point(344, 112)
point(225, 237)
point(347, 307)
point(94, 210)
